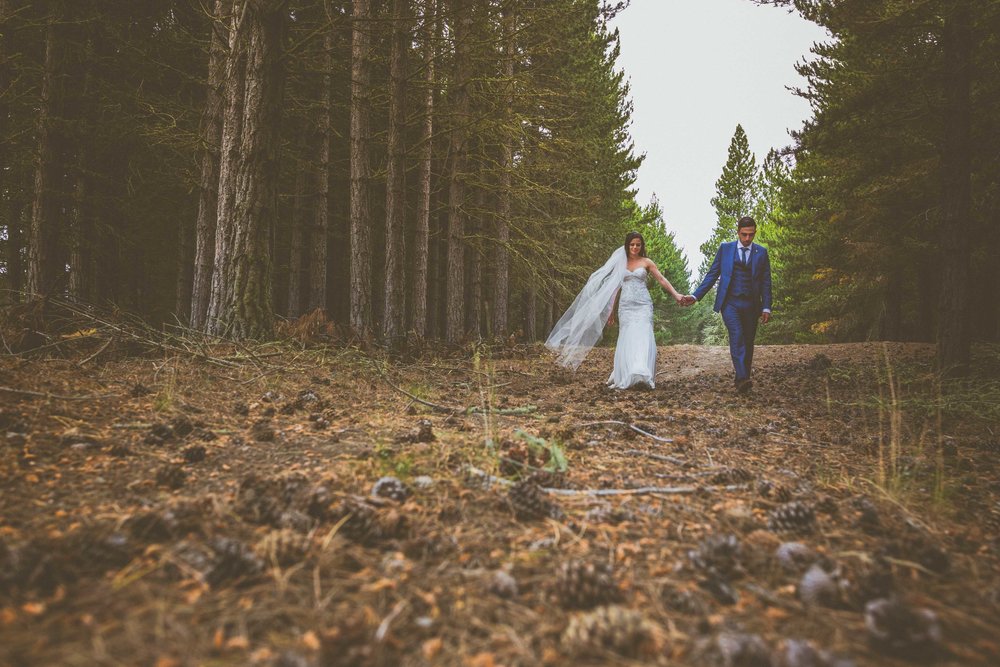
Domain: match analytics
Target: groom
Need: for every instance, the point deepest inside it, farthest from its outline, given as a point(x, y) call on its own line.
point(743, 271)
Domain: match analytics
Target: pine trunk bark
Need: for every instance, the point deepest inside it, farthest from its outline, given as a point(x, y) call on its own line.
point(501, 266)
point(296, 245)
point(956, 207)
point(43, 239)
point(421, 240)
point(81, 277)
point(240, 305)
point(459, 98)
point(395, 190)
point(15, 244)
point(319, 236)
point(361, 246)
point(208, 191)
point(8, 185)
point(530, 314)
point(473, 262)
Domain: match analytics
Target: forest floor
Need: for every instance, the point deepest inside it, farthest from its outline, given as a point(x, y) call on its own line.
point(173, 510)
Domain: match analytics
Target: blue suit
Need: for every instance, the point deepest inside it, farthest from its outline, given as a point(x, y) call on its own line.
point(744, 293)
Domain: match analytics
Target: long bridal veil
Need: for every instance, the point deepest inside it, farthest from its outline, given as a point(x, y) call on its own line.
point(580, 327)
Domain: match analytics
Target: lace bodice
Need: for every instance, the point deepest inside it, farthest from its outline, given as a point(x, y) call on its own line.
point(634, 288)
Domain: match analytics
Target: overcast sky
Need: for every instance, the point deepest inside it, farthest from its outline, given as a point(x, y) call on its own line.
point(697, 68)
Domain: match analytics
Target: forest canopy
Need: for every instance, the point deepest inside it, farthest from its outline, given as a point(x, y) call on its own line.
point(454, 169)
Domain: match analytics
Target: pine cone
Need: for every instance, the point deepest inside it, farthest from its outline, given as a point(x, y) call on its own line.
point(727, 476)
point(257, 500)
point(100, 550)
point(793, 517)
point(194, 453)
point(801, 653)
point(582, 585)
point(623, 631)
point(731, 649)
point(774, 491)
point(234, 560)
point(391, 487)
point(171, 476)
point(529, 502)
point(794, 556)
point(181, 426)
point(284, 547)
point(365, 523)
point(684, 601)
point(718, 556)
point(503, 585)
point(820, 588)
point(861, 581)
point(900, 630)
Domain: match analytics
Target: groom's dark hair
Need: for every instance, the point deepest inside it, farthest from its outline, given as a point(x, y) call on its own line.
point(745, 221)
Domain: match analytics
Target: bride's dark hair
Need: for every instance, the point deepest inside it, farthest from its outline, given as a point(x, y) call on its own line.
point(635, 235)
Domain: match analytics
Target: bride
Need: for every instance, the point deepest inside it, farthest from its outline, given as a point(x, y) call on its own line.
point(622, 278)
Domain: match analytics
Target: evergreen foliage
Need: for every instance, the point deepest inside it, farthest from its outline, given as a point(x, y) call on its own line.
point(538, 110)
point(873, 240)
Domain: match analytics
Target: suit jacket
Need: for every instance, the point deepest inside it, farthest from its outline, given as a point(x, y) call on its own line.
point(722, 271)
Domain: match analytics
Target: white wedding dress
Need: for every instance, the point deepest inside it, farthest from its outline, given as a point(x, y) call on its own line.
point(635, 353)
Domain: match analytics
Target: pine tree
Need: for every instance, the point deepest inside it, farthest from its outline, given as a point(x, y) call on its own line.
point(240, 305)
point(735, 195)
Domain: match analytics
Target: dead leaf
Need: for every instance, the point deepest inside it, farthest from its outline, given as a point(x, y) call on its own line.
point(33, 608)
point(311, 641)
point(432, 647)
point(480, 660)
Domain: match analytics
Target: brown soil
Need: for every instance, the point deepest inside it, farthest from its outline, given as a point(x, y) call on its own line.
point(171, 511)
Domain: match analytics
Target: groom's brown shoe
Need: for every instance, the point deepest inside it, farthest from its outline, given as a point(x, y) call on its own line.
point(744, 386)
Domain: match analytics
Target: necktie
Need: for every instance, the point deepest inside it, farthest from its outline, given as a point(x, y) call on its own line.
point(744, 259)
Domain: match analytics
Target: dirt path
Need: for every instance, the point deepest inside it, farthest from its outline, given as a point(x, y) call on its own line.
point(181, 514)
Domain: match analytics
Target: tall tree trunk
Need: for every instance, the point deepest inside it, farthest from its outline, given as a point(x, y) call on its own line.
point(185, 269)
point(501, 257)
point(361, 245)
point(14, 245)
point(421, 240)
point(459, 98)
point(395, 190)
point(208, 190)
point(8, 182)
point(318, 237)
point(297, 244)
point(473, 261)
point(240, 304)
point(44, 267)
point(956, 206)
point(531, 313)
point(81, 239)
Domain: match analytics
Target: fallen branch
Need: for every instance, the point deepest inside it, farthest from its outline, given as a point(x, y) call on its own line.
point(435, 406)
point(655, 457)
point(633, 427)
point(94, 355)
point(640, 491)
point(61, 397)
point(522, 410)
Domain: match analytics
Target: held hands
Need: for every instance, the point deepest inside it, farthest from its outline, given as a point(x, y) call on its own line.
point(687, 300)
